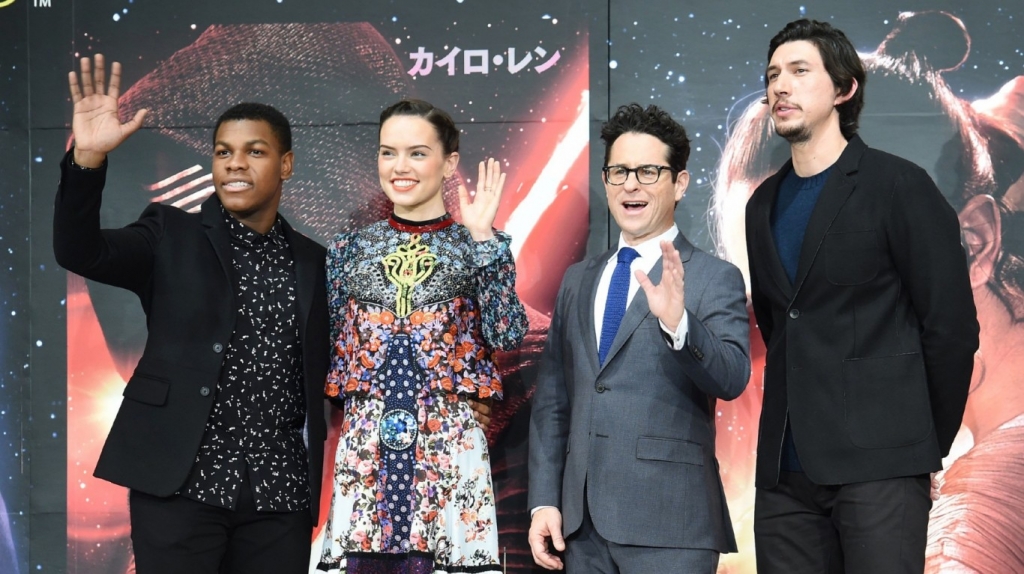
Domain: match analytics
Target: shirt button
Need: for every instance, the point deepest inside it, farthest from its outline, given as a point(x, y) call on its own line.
point(204, 391)
point(601, 388)
point(794, 313)
point(217, 347)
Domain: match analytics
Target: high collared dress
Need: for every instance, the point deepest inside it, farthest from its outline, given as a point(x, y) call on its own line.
point(417, 310)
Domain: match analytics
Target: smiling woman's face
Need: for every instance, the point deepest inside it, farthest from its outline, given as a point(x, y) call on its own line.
point(412, 166)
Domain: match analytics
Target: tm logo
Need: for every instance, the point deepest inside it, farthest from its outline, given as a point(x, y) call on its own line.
point(36, 3)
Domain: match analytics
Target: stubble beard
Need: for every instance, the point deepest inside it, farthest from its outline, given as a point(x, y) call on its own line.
point(794, 134)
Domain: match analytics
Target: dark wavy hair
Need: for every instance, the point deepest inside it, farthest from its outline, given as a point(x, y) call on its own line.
point(261, 113)
point(442, 122)
point(653, 121)
point(841, 60)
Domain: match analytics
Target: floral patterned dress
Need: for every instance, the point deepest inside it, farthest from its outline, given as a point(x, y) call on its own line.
point(417, 309)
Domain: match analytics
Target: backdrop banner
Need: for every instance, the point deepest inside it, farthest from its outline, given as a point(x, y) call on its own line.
point(528, 83)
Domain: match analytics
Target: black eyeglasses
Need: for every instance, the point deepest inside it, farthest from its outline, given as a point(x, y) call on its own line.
point(645, 174)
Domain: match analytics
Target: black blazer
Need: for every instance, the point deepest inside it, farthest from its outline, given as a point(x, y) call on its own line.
point(870, 353)
point(179, 265)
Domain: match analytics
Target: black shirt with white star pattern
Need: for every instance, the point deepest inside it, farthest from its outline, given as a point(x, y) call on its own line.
point(254, 436)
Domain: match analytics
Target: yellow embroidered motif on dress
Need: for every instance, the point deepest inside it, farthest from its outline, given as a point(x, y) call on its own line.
point(406, 268)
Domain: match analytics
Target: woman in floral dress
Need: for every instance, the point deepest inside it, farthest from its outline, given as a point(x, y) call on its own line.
point(419, 304)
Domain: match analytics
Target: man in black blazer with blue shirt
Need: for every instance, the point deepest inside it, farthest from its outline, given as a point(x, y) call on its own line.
point(220, 434)
point(860, 289)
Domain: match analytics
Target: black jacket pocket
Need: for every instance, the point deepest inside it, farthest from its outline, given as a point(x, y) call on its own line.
point(146, 389)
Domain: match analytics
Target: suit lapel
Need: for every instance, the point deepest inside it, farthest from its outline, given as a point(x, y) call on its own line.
point(307, 266)
point(588, 296)
point(833, 196)
point(220, 238)
point(764, 242)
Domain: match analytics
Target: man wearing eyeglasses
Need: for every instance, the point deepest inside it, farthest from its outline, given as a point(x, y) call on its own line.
point(644, 339)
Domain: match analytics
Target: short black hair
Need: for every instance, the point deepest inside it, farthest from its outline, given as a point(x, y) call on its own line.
point(841, 60)
point(261, 113)
point(442, 122)
point(653, 121)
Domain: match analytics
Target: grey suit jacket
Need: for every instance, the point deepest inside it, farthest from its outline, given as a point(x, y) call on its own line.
point(637, 435)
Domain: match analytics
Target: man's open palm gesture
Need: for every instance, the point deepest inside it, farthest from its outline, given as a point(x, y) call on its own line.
point(96, 124)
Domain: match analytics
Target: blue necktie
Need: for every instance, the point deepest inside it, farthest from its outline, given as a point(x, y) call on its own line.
point(615, 304)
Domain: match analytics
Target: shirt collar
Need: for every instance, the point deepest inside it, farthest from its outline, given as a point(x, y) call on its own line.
point(651, 249)
point(249, 236)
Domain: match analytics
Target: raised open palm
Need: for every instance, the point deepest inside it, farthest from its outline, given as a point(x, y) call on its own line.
point(479, 209)
point(666, 299)
point(96, 125)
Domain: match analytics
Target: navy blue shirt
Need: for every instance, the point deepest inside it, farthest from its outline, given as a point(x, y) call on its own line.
point(790, 214)
point(792, 211)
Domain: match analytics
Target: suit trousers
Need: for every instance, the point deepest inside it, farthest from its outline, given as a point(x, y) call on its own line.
point(876, 527)
point(587, 552)
point(175, 534)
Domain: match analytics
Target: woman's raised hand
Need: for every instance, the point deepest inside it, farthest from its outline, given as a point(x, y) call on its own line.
point(480, 207)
